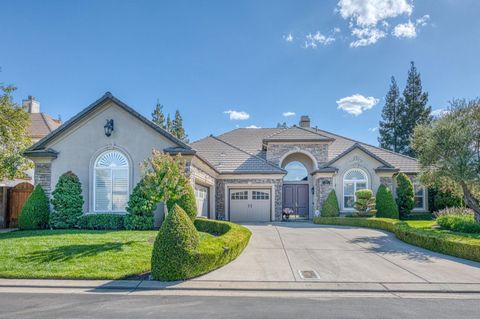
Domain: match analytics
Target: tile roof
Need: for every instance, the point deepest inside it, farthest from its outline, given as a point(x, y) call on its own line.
point(251, 140)
point(228, 158)
point(296, 133)
point(41, 124)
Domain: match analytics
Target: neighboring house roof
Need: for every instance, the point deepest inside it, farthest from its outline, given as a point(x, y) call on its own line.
point(227, 158)
point(251, 140)
point(41, 124)
point(295, 133)
point(40, 145)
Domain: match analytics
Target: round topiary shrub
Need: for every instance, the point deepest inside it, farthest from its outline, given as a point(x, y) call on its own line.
point(187, 202)
point(365, 203)
point(172, 249)
point(35, 211)
point(405, 195)
point(385, 203)
point(67, 201)
point(140, 208)
point(330, 206)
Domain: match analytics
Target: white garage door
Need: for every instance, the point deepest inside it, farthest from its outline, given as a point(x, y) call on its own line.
point(201, 195)
point(250, 205)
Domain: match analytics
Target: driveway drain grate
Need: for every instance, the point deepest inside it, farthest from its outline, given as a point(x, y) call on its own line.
point(309, 274)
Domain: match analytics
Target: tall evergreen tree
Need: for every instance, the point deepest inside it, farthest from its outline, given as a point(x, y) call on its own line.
point(416, 109)
point(168, 124)
point(157, 115)
point(177, 127)
point(390, 128)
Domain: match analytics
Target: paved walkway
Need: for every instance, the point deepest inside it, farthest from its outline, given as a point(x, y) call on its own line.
point(279, 252)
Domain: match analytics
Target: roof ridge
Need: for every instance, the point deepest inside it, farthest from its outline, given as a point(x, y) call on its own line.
point(363, 149)
point(241, 150)
point(306, 130)
point(363, 143)
point(43, 115)
point(281, 129)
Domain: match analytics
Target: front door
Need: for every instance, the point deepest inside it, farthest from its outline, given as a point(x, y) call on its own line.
point(295, 197)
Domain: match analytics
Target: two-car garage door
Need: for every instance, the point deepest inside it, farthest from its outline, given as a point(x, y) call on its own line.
point(250, 205)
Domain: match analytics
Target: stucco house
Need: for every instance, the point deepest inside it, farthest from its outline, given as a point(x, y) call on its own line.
point(242, 175)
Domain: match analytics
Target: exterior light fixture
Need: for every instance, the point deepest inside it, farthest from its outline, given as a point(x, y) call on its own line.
point(313, 190)
point(108, 127)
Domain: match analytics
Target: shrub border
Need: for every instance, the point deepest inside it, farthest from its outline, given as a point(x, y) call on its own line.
point(445, 243)
point(231, 238)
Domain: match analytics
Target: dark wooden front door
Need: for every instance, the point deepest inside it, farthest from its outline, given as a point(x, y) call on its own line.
point(295, 196)
point(17, 196)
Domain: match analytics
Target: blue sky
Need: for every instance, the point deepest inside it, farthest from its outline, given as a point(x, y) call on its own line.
point(259, 59)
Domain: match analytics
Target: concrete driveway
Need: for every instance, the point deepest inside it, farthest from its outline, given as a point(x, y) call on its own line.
point(280, 251)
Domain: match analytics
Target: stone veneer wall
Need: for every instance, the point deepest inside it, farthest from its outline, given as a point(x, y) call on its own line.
point(323, 186)
point(276, 151)
point(43, 176)
point(220, 193)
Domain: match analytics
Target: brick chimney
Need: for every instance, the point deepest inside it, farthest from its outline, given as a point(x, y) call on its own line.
point(304, 121)
point(30, 105)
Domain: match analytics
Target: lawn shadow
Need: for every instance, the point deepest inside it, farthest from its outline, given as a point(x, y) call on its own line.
point(49, 232)
point(64, 253)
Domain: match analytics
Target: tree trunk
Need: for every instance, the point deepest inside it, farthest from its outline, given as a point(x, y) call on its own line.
point(471, 201)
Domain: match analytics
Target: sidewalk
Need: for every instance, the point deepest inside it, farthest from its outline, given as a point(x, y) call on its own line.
point(25, 285)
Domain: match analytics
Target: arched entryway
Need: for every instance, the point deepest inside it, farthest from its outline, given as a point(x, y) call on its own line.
point(297, 184)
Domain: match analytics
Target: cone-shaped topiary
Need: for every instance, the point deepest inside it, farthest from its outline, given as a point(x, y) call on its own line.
point(140, 208)
point(330, 206)
point(385, 203)
point(35, 211)
point(67, 201)
point(365, 203)
point(405, 195)
point(187, 202)
point(172, 249)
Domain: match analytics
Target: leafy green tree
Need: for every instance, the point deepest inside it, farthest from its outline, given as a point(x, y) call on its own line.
point(390, 129)
point(67, 201)
point(172, 249)
point(14, 138)
point(385, 203)
point(158, 117)
point(35, 211)
point(449, 150)
point(405, 195)
point(330, 206)
point(365, 203)
point(417, 111)
point(187, 202)
point(177, 127)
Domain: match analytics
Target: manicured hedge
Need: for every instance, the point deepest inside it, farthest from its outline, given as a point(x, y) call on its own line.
point(226, 244)
point(385, 203)
point(101, 221)
point(462, 223)
point(35, 211)
point(330, 207)
point(444, 242)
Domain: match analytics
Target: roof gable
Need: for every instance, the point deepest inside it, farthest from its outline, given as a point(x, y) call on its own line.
point(107, 97)
point(295, 133)
point(358, 146)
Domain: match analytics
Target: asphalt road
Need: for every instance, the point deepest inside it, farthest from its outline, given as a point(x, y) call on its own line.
point(38, 306)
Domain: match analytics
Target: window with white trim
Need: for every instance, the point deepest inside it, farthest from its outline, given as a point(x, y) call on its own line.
point(257, 195)
point(419, 196)
point(353, 180)
point(111, 182)
point(242, 195)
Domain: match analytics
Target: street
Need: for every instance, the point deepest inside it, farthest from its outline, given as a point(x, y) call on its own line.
point(39, 306)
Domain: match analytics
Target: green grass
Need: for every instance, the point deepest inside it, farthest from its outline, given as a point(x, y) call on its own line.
point(78, 254)
point(422, 233)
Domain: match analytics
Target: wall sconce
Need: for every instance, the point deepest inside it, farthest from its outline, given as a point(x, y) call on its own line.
point(108, 127)
point(313, 190)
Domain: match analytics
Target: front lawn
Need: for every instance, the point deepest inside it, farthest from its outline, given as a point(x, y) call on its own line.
point(77, 254)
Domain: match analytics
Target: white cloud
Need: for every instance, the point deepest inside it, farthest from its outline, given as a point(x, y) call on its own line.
point(287, 114)
point(356, 104)
point(312, 40)
point(367, 13)
point(366, 36)
point(439, 112)
point(253, 126)
point(423, 21)
point(405, 30)
point(373, 129)
point(336, 30)
point(237, 115)
point(288, 37)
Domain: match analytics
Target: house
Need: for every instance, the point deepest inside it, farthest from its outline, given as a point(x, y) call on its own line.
point(11, 198)
point(242, 175)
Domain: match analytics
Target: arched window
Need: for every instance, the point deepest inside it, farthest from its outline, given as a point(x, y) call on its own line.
point(111, 182)
point(353, 180)
point(296, 171)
